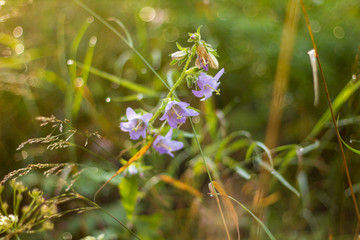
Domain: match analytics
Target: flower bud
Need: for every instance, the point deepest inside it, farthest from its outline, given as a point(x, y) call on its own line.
point(47, 225)
point(179, 55)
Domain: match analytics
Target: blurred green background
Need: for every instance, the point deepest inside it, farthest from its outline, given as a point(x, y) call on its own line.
point(39, 37)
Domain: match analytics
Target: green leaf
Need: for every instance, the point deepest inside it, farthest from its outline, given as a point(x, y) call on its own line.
point(341, 98)
point(173, 62)
point(350, 148)
point(179, 46)
point(279, 177)
point(128, 36)
point(122, 82)
point(128, 188)
point(9, 40)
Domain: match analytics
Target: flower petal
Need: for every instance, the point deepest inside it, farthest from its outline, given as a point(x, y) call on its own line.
point(147, 117)
point(127, 126)
point(176, 145)
point(169, 134)
point(173, 120)
point(135, 135)
point(198, 93)
point(191, 112)
point(219, 74)
point(131, 114)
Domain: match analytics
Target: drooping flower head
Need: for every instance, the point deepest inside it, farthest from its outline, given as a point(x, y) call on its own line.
point(176, 112)
point(208, 85)
point(166, 145)
point(136, 124)
point(205, 59)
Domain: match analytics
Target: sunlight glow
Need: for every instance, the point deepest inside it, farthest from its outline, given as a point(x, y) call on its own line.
point(147, 14)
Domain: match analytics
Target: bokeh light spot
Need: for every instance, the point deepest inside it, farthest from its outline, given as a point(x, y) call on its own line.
point(171, 34)
point(70, 62)
point(315, 26)
point(339, 32)
point(19, 48)
point(18, 32)
point(147, 14)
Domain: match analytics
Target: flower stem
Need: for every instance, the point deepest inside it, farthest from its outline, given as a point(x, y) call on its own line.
point(332, 114)
point(176, 85)
point(178, 82)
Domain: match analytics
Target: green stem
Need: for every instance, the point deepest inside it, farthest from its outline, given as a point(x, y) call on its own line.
point(176, 85)
point(2, 207)
point(211, 180)
point(106, 212)
point(87, 150)
point(178, 82)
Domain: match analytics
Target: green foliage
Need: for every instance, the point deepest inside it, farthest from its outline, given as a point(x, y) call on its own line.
point(88, 66)
point(128, 188)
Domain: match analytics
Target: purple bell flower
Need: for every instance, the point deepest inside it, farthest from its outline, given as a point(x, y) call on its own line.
point(166, 145)
point(136, 124)
point(208, 85)
point(176, 112)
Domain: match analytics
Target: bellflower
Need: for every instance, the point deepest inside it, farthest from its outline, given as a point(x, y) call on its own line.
point(208, 85)
point(176, 112)
point(166, 145)
point(136, 124)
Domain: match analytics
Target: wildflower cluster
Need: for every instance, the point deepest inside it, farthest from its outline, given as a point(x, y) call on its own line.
point(30, 218)
point(175, 111)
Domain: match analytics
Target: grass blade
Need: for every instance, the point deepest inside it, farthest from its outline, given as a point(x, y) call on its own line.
point(228, 204)
point(279, 177)
point(111, 28)
point(122, 82)
point(128, 36)
point(180, 185)
point(266, 229)
point(341, 98)
point(84, 76)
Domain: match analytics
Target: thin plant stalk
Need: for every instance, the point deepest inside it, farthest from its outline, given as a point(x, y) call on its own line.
point(176, 85)
point(111, 28)
point(332, 113)
point(211, 180)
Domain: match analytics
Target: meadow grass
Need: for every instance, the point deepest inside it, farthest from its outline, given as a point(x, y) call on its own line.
point(195, 176)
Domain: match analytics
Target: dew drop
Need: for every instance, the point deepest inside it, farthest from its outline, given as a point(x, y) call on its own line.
point(301, 149)
point(92, 41)
point(272, 171)
point(70, 62)
point(140, 97)
point(354, 77)
point(90, 19)
point(350, 140)
point(108, 99)
point(79, 82)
